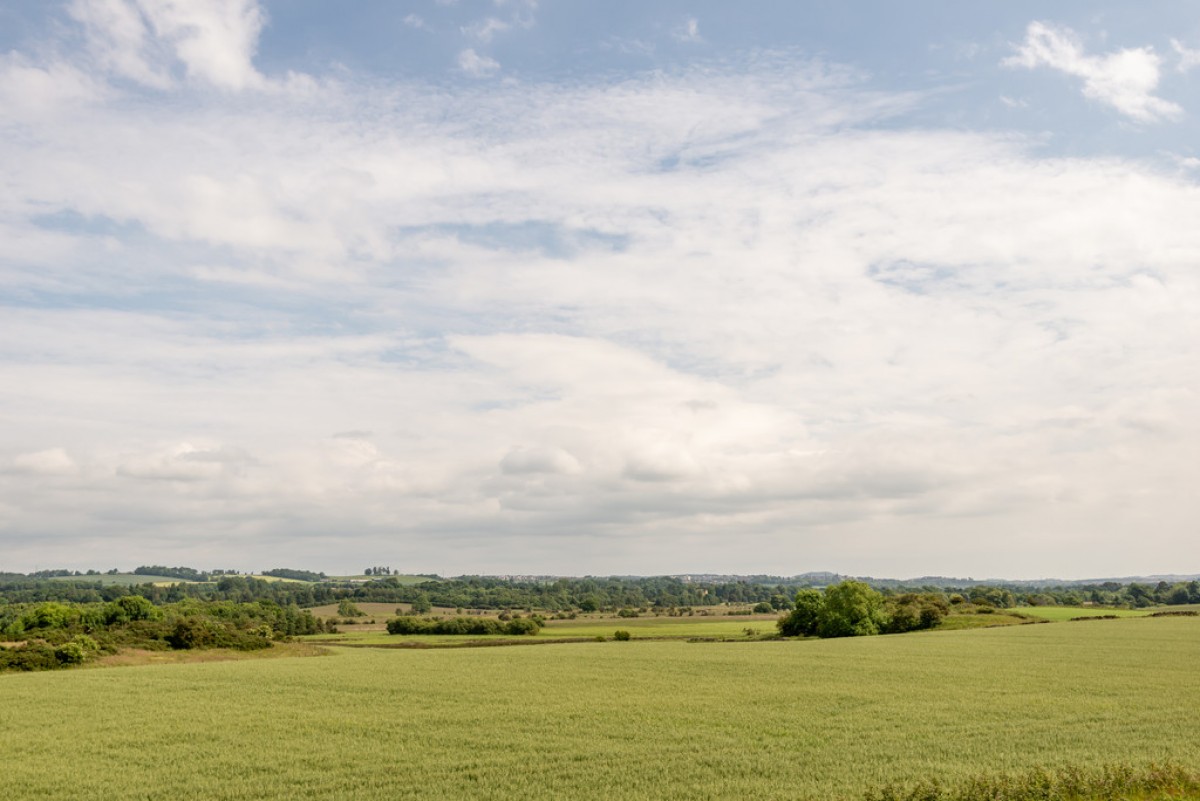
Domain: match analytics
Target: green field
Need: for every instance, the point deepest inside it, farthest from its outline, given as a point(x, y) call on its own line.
point(637, 720)
point(122, 579)
point(399, 579)
point(639, 628)
point(1059, 613)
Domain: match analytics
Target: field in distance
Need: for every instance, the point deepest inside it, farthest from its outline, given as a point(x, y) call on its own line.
point(398, 578)
point(122, 579)
point(808, 719)
point(1069, 613)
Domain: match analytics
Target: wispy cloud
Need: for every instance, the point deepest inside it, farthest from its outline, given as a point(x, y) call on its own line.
point(143, 40)
point(475, 65)
point(571, 326)
point(1124, 79)
point(486, 29)
point(688, 31)
point(1189, 58)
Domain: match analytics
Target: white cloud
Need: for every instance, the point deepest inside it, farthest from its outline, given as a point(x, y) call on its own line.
point(180, 462)
point(476, 65)
point(485, 30)
point(1188, 58)
point(416, 21)
point(688, 31)
point(141, 40)
point(51, 462)
point(1125, 79)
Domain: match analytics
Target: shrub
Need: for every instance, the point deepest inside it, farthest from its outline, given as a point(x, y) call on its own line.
point(70, 653)
point(621, 634)
point(527, 625)
point(346, 608)
point(806, 613)
point(31, 656)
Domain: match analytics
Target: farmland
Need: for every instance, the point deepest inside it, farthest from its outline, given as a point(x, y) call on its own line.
point(763, 720)
point(1070, 612)
point(121, 579)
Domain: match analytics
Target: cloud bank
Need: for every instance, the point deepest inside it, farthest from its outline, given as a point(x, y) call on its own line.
point(737, 316)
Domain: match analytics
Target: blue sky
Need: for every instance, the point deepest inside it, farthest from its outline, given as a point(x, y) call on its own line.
point(573, 288)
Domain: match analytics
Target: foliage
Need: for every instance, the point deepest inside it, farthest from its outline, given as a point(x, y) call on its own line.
point(621, 635)
point(298, 575)
point(182, 573)
point(586, 594)
point(913, 612)
point(852, 609)
point(346, 608)
point(62, 635)
point(206, 632)
point(479, 626)
point(805, 616)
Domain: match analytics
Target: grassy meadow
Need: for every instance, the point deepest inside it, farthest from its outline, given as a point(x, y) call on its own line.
point(615, 720)
point(1060, 613)
point(122, 579)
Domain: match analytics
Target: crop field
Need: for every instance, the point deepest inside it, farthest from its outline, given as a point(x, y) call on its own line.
point(122, 579)
point(1059, 613)
point(638, 628)
point(780, 720)
point(398, 578)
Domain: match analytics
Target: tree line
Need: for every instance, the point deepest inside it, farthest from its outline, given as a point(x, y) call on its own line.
point(581, 594)
point(53, 634)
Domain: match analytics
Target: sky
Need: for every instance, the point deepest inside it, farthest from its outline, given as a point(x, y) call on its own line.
point(600, 286)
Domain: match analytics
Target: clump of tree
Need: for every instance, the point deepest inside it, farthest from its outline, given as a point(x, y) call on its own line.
point(55, 635)
point(407, 624)
point(181, 573)
point(347, 608)
point(299, 575)
point(854, 609)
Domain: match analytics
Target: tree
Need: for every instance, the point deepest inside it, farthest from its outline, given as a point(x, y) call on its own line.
point(806, 612)
point(851, 609)
point(346, 608)
point(131, 607)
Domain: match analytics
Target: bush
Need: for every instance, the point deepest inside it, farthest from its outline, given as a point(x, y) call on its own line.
point(621, 634)
point(805, 615)
point(204, 632)
point(70, 653)
point(763, 608)
point(346, 608)
point(527, 625)
point(406, 624)
point(31, 656)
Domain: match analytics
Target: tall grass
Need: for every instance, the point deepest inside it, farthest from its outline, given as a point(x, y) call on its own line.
point(1122, 782)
